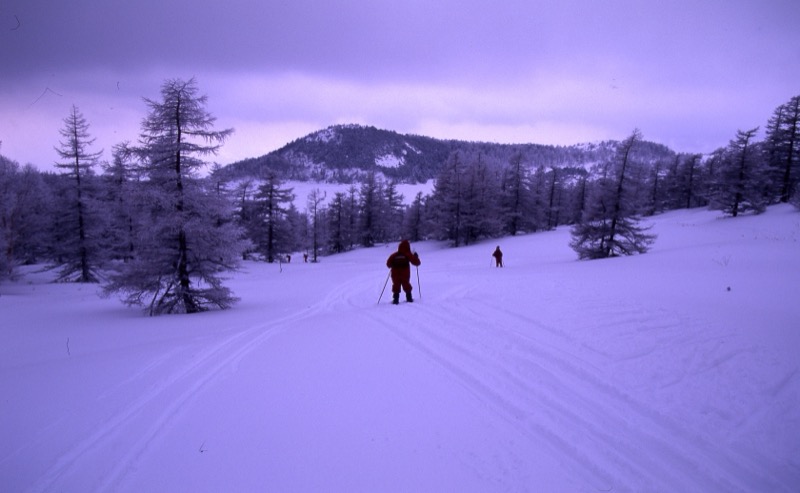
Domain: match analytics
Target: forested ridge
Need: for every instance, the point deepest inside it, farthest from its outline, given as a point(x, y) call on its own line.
point(154, 229)
point(346, 153)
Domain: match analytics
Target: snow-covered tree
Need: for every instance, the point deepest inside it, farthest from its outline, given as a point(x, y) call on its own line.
point(537, 206)
point(742, 179)
point(79, 248)
point(338, 224)
point(687, 183)
point(414, 222)
point(514, 195)
point(554, 197)
point(120, 187)
point(480, 212)
point(317, 226)
point(272, 203)
point(610, 225)
point(783, 148)
point(392, 213)
point(246, 212)
point(189, 241)
point(573, 189)
point(351, 206)
point(372, 210)
point(25, 216)
point(448, 200)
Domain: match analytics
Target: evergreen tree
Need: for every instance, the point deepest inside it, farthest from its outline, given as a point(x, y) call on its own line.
point(554, 198)
point(338, 223)
point(573, 187)
point(610, 225)
point(514, 195)
point(272, 203)
point(121, 189)
point(659, 180)
point(481, 217)
point(316, 212)
point(414, 227)
point(296, 225)
point(688, 183)
point(352, 216)
point(783, 148)
point(393, 212)
point(189, 242)
point(25, 213)
point(449, 200)
point(371, 229)
point(537, 213)
point(743, 178)
point(79, 250)
point(246, 213)
point(8, 204)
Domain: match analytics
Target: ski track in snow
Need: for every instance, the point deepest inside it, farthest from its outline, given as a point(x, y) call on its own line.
point(541, 389)
point(166, 395)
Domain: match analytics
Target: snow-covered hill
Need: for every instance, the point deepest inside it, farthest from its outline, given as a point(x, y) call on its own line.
point(674, 371)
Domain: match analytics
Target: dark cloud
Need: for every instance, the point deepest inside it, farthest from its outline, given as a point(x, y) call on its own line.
point(415, 39)
point(690, 72)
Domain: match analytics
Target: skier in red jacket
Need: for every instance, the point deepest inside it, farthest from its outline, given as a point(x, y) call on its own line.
point(400, 262)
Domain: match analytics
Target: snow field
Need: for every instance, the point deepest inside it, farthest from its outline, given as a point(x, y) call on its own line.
point(642, 373)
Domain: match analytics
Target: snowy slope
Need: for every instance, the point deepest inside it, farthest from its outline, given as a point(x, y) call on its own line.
point(674, 371)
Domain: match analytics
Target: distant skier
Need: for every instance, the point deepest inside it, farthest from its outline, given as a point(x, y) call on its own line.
point(498, 257)
point(400, 262)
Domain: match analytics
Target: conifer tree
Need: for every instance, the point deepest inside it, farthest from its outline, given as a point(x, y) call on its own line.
point(120, 185)
point(189, 241)
point(537, 212)
point(272, 202)
point(246, 213)
point(371, 204)
point(24, 216)
point(610, 225)
point(554, 198)
point(414, 227)
point(783, 148)
point(352, 216)
point(449, 200)
point(742, 179)
point(78, 252)
point(316, 213)
point(480, 211)
point(687, 184)
point(514, 195)
point(392, 216)
point(338, 224)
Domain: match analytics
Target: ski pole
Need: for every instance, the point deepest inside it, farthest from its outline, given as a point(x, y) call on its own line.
point(384, 287)
point(419, 286)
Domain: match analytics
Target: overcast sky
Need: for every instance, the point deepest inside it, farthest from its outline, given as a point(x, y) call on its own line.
point(687, 73)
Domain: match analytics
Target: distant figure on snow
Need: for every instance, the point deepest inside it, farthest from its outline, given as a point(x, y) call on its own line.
point(400, 262)
point(498, 257)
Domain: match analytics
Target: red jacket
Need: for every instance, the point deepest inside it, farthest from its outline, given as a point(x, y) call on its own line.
point(401, 260)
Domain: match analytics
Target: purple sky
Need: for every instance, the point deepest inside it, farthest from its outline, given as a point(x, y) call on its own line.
point(686, 73)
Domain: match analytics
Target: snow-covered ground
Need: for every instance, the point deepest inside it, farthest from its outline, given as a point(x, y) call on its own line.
point(674, 371)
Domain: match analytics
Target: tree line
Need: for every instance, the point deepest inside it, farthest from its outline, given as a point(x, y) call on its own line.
point(155, 232)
